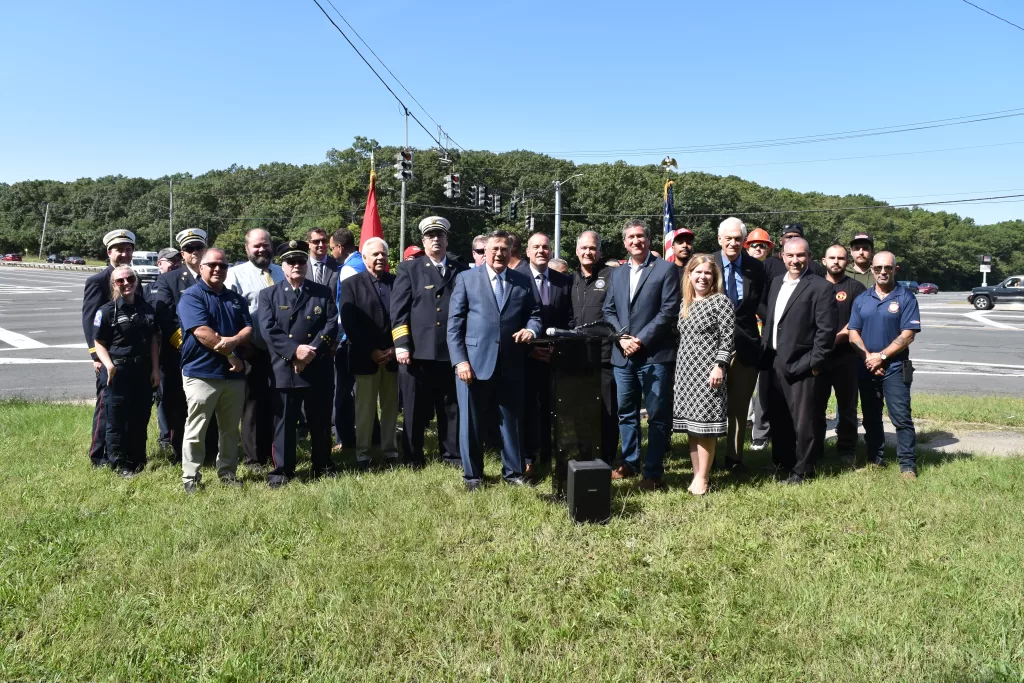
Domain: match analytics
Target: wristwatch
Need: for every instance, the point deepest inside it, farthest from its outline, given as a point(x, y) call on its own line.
point(882, 355)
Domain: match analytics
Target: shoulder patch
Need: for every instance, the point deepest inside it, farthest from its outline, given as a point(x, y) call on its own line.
point(599, 283)
point(894, 307)
point(840, 296)
point(98, 318)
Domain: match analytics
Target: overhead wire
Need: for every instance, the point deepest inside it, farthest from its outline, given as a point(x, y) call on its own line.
point(994, 15)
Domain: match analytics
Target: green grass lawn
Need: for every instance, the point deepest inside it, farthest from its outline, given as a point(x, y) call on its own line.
point(401, 576)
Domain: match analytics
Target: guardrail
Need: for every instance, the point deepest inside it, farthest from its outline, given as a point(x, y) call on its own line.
point(51, 266)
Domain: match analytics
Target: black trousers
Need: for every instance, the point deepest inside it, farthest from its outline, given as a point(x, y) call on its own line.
point(609, 415)
point(176, 410)
point(796, 412)
point(536, 423)
point(427, 391)
point(98, 445)
point(129, 404)
point(841, 376)
point(288, 405)
point(257, 413)
point(344, 399)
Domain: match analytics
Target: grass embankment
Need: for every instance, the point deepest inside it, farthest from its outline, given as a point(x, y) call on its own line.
point(403, 576)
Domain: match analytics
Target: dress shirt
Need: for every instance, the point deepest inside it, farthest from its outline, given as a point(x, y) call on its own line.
point(785, 292)
point(319, 271)
point(734, 270)
point(248, 280)
point(503, 276)
point(635, 271)
point(442, 265)
point(543, 284)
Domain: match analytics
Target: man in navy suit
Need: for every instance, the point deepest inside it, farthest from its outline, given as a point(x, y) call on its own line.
point(492, 311)
point(643, 305)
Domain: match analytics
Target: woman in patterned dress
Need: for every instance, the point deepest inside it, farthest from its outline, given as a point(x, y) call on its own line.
point(706, 321)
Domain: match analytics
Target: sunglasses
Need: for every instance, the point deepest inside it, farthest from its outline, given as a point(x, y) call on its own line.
point(193, 248)
point(124, 280)
point(295, 262)
point(317, 241)
point(883, 269)
point(480, 251)
point(758, 245)
point(213, 265)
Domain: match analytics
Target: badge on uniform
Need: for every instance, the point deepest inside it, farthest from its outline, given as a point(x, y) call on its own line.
point(428, 286)
point(599, 283)
point(317, 310)
point(97, 319)
point(284, 308)
point(894, 307)
point(840, 296)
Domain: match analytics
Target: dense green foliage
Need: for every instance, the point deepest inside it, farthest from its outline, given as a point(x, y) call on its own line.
point(288, 199)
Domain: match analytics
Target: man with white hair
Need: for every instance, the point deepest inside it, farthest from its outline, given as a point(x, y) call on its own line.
point(366, 319)
point(744, 283)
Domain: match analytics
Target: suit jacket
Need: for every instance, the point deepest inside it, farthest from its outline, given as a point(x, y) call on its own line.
point(558, 312)
point(807, 326)
point(419, 307)
point(333, 269)
point(652, 314)
point(480, 331)
point(287, 320)
point(167, 291)
point(95, 294)
point(747, 337)
point(366, 322)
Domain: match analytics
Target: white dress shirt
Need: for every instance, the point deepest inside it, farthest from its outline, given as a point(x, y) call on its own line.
point(635, 272)
point(785, 292)
point(247, 280)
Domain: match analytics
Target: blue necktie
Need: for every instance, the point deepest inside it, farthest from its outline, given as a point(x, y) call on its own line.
point(730, 286)
point(499, 290)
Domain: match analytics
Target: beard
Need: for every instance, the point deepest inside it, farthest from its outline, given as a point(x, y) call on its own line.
point(260, 262)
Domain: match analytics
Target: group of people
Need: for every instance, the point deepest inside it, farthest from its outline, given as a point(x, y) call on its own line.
point(329, 336)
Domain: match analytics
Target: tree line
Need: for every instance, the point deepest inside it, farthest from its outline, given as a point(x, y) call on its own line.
point(288, 199)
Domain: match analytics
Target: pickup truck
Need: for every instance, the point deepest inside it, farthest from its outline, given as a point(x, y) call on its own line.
point(1010, 290)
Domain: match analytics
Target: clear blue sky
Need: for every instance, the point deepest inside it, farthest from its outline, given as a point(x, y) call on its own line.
point(147, 88)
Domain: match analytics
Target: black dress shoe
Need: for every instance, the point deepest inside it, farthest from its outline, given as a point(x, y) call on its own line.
point(191, 487)
point(415, 465)
point(129, 473)
point(794, 480)
point(474, 484)
point(363, 465)
point(277, 482)
point(231, 481)
point(519, 481)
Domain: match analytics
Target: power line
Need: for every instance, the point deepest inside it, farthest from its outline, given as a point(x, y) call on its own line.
point(994, 15)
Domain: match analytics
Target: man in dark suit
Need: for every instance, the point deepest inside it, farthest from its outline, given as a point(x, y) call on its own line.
point(554, 292)
point(167, 291)
point(120, 246)
point(366, 319)
point(492, 312)
point(419, 316)
point(299, 321)
point(322, 269)
point(799, 332)
point(643, 305)
point(744, 282)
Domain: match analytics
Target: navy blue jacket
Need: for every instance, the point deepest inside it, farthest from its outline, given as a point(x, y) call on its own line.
point(366, 322)
point(652, 314)
point(419, 307)
point(287, 320)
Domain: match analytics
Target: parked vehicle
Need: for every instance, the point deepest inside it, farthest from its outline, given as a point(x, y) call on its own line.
point(55, 258)
point(927, 288)
point(144, 265)
point(11, 257)
point(74, 261)
point(911, 285)
point(1010, 290)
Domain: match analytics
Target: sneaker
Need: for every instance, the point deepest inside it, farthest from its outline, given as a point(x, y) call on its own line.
point(758, 444)
point(231, 481)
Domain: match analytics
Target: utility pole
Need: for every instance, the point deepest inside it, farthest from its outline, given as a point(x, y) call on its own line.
point(401, 229)
point(43, 236)
point(170, 228)
point(558, 218)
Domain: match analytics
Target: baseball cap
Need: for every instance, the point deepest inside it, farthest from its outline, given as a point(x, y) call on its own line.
point(671, 237)
point(862, 237)
point(790, 228)
point(412, 251)
point(168, 253)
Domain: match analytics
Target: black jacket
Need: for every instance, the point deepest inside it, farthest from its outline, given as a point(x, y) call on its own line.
point(167, 291)
point(807, 326)
point(366, 322)
point(747, 337)
point(588, 295)
point(287, 320)
point(419, 307)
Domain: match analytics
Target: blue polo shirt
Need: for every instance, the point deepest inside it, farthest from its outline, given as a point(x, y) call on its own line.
point(879, 321)
point(226, 313)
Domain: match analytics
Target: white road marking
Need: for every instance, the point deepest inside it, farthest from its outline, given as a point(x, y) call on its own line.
point(21, 289)
point(79, 345)
point(38, 361)
point(982, 318)
point(971, 374)
point(961, 362)
point(19, 341)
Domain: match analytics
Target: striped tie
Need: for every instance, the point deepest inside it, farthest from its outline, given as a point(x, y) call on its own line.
point(266, 277)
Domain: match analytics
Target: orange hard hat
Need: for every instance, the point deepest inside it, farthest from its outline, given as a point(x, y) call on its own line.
point(758, 235)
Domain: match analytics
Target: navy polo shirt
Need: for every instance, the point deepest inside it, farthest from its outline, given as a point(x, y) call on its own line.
point(226, 313)
point(880, 321)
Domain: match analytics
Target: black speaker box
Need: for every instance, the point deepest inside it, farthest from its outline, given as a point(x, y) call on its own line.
point(589, 491)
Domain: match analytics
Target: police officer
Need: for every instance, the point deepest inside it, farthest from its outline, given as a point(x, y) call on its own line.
point(127, 344)
point(120, 246)
point(419, 316)
point(883, 323)
point(167, 291)
point(589, 287)
point(300, 326)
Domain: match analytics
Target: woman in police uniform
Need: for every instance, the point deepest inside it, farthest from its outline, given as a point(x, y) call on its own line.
point(128, 345)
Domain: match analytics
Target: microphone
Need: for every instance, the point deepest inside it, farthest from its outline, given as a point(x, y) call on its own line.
point(555, 332)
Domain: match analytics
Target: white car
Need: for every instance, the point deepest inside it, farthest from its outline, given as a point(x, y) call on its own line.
point(144, 265)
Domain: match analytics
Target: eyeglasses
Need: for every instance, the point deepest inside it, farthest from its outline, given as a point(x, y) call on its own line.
point(125, 280)
point(480, 251)
point(213, 265)
point(317, 241)
point(883, 269)
point(193, 248)
point(433, 235)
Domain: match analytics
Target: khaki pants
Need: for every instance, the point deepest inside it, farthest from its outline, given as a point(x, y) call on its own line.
point(739, 387)
point(224, 398)
point(383, 385)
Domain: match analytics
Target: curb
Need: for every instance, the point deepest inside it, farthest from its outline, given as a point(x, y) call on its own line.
point(52, 266)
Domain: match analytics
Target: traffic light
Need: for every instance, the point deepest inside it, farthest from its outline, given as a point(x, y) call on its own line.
point(452, 188)
point(489, 204)
point(512, 211)
point(477, 196)
point(495, 204)
point(403, 165)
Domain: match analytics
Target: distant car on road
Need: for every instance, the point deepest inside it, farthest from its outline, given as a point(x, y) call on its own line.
point(1010, 290)
point(911, 285)
point(11, 257)
point(144, 265)
point(927, 288)
point(55, 258)
point(74, 261)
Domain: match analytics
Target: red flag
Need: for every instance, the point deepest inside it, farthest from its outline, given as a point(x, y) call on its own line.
point(371, 219)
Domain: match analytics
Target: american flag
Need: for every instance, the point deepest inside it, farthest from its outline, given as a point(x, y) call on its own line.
point(669, 219)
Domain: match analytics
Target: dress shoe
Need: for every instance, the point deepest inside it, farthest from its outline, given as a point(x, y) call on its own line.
point(231, 481)
point(758, 444)
point(518, 481)
point(794, 480)
point(908, 475)
point(531, 471)
point(650, 484)
point(256, 468)
point(876, 465)
point(191, 487)
point(415, 465)
point(363, 465)
point(277, 482)
point(473, 484)
point(129, 473)
point(622, 472)
point(735, 466)
point(847, 460)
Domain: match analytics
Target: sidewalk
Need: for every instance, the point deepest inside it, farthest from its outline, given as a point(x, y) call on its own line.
point(973, 439)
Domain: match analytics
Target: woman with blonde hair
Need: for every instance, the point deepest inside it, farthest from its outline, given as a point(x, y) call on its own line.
point(128, 345)
point(706, 321)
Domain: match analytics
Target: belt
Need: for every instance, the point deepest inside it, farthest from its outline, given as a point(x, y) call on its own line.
point(129, 360)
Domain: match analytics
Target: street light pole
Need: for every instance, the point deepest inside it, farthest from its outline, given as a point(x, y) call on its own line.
point(558, 212)
point(43, 236)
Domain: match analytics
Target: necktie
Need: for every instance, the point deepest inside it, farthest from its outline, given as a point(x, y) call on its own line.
point(542, 285)
point(499, 290)
point(730, 285)
point(320, 272)
point(440, 269)
point(266, 277)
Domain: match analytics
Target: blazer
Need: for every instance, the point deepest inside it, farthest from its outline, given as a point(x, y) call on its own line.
point(333, 268)
point(94, 296)
point(747, 337)
point(480, 331)
point(652, 314)
point(807, 327)
point(419, 307)
point(167, 291)
point(366, 322)
point(287, 320)
point(558, 312)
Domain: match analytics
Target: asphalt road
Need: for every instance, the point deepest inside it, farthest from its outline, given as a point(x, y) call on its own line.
point(42, 349)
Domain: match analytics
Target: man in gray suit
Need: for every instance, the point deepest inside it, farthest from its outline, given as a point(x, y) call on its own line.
point(643, 304)
point(491, 314)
